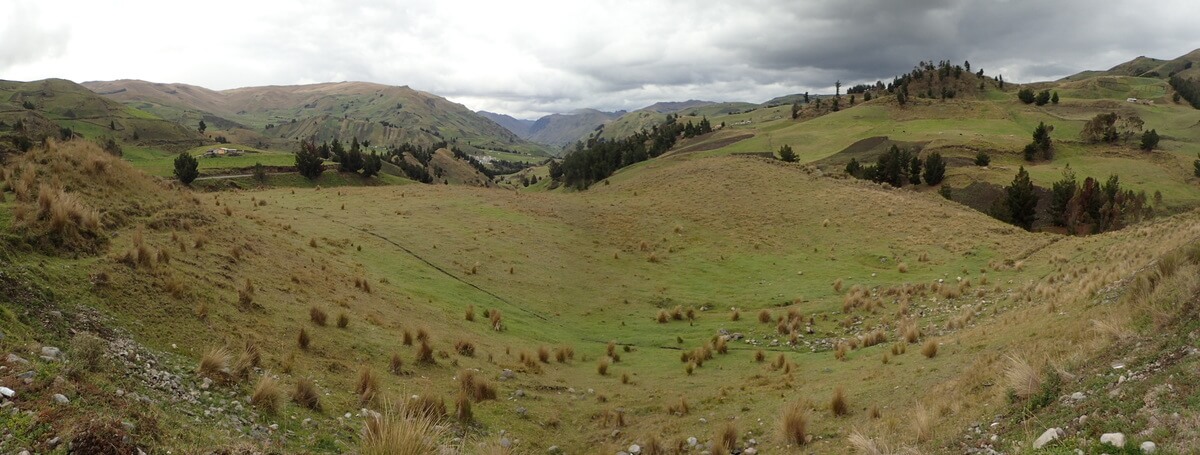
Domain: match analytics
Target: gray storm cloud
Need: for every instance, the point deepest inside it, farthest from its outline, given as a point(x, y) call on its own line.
point(529, 58)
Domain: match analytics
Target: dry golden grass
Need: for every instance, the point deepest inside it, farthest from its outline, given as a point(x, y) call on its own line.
point(677, 313)
point(930, 349)
point(864, 445)
point(602, 366)
point(922, 423)
point(214, 364)
point(736, 315)
point(760, 356)
point(726, 439)
point(306, 394)
point(837, 285)
point(543, 354)
point(1023, 378)
point(343, 321)
point(408, 338)
point(267, 396)
point(794, 422)
point(400, 430)
point(838, 404)
point(663, 317)
point(470, 313)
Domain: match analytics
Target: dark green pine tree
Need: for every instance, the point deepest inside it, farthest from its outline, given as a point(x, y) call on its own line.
point(354, 158)
point(1022, 200)
point(935, 169)
point(914, 170)
point(1150, 140)
point(308, 161)
point(186, 168)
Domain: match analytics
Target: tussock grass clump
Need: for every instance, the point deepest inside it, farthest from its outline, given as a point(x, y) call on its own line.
point(910, 332)
point(408, 338)
point(903, 267)
point(470, 313)
point(679, 408)
point(726, 439)
point(465, 348)
point(602, 366)
point(764, 316)
point(423, 334)
point(400, 430)
point(428, 405)
point(462, 407)
point(246, 294)
point(1024, 380)
point(837, 285)
point(722, 346)
point(86, 355)
point(343, 321)
point(174, 286)
point(564, 353)
point(930, 349)
point(922, 423)
point(677, 313)
point(367, 384)
point(543, 354)
point(266, 396)
point(496, 319)
point(214, 364)
point(838, 404)
point(425, 354)
point(396, 366)
point(663, 317)
point(302, 339)
point(794, 422)
point(306, 394)
point(317, 316)
point(841, 350)
point(736, 315)
point(760, 356)
point(59, 220)
point(479, 389)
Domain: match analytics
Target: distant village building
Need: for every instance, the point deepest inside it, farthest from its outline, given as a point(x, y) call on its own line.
point(222, 151)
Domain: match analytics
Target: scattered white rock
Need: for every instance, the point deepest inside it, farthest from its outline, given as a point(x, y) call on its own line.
point(692, 441)
point(13, 358)
point(750, 451)
point(1116, 439)
point(1077, 396)
point(1047, 437)
point(1149, 447)
point(7, 392)
point(635, 449)
point(505, 443)
point(555, 450)
point(61, 399)
point(50, 351)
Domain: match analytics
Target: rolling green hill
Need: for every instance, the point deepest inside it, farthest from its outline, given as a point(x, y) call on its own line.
point(57, 103)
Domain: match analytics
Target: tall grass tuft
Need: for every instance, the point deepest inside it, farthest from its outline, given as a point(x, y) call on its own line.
point(400, 429)
point(266, 394)
point(794, 421)
point(306, 394)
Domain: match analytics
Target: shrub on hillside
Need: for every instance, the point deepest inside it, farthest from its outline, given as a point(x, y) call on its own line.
point(982, 159)
point(786, 154)
point(308, 162)
point(1026, 96)
point(186, 168)
point(935, 169)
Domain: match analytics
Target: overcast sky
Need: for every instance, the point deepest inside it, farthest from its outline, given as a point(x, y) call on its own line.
point(529, 58)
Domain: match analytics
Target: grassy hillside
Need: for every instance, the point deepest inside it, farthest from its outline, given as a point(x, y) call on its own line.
point(69, 105)
point(575, 270)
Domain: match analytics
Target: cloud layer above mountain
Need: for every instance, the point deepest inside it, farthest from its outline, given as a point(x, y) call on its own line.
point(528, 58)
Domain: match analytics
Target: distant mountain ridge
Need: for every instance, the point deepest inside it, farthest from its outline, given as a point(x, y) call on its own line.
point(1187, 66)
point(382, 114)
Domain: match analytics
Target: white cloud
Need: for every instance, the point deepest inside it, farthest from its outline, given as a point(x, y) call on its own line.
point(528, 58)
